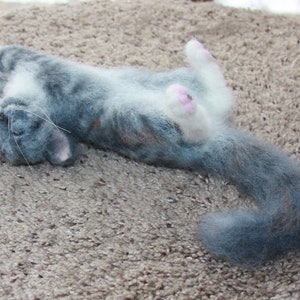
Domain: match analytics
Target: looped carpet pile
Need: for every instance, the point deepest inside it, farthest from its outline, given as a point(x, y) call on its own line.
point(111, 228)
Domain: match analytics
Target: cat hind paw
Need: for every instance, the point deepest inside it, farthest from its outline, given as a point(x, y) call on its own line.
point(206, 70)
point(197, 53)
point(190, 116)
point(180, 101)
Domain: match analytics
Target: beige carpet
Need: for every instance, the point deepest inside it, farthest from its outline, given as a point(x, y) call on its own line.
point(111, 228)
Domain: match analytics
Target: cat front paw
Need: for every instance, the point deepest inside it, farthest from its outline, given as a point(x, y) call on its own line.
point(28, 136)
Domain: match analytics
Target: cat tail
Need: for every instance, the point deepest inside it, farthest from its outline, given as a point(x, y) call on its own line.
point(250, 237)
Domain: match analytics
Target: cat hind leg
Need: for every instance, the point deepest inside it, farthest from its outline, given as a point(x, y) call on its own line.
point(218, 96)
point(188, 114)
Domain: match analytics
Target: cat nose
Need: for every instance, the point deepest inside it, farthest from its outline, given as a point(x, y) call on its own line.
point(17, 131)
point(3, 117)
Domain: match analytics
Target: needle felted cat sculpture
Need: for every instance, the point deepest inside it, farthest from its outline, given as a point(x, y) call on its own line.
point(177, 119)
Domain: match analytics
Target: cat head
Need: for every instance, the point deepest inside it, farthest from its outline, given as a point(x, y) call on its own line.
point(26, 138)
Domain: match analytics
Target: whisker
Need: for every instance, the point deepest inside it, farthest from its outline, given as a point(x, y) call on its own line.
point(9, 128)
point(46, 119)
point(51, 122)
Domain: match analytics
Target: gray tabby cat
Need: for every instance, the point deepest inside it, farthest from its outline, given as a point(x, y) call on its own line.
point(177, 119)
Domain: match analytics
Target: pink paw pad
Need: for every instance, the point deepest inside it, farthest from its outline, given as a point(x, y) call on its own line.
point(188, 103)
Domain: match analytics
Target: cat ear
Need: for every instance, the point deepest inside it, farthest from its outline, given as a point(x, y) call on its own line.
point(61, 149)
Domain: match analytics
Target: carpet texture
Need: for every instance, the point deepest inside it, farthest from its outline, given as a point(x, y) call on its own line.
point(111, 228)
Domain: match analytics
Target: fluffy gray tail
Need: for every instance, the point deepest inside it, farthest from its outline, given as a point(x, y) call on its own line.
point(250, 237)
